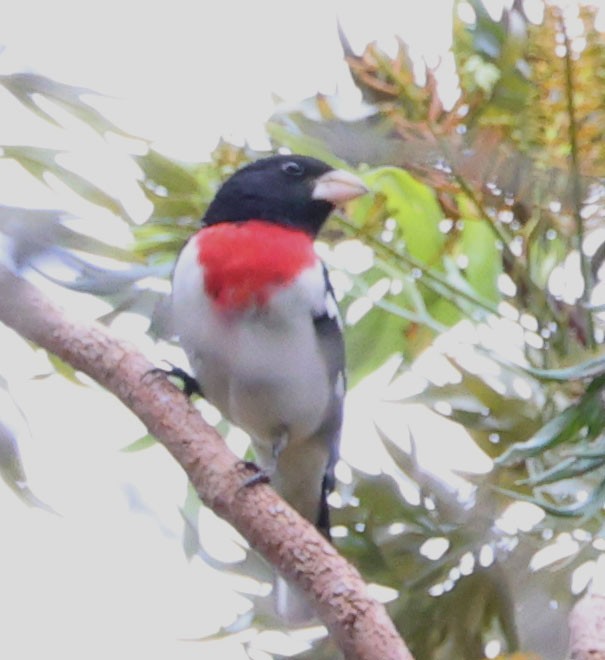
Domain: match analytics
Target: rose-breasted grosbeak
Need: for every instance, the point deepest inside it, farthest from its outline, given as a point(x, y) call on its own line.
point(257, 318)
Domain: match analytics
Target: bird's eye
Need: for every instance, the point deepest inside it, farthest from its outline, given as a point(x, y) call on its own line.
point(293, 168)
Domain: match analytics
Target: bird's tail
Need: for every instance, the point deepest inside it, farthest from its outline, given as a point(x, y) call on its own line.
point(310, 500)
point(291, 603)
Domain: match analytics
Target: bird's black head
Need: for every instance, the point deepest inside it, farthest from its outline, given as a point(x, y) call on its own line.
point(295, 191)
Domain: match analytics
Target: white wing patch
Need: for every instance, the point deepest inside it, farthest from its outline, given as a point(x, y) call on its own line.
point(332, 309)
point(310, 290)
point(331, 306)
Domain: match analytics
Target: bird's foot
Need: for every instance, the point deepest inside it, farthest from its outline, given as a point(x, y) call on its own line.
point(189, 384)
point(260, 476)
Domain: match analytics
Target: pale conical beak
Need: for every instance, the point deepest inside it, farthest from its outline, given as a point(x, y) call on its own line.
point(338, 186)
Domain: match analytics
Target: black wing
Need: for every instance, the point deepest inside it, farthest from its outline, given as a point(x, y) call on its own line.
point(328, 327)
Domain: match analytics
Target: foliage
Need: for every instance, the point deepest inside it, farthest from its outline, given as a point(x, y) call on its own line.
point(476, 210)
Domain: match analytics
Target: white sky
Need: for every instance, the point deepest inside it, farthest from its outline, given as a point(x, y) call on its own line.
point(191, 71)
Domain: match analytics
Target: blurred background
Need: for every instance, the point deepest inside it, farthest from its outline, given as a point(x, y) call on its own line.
point(472, 481)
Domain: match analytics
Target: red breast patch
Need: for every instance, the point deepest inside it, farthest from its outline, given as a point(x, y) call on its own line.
point(244, 262)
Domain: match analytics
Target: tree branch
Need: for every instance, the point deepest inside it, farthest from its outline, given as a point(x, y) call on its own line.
point(359, 625)
point(587, 628)
point(587, 620)
point(578, 202)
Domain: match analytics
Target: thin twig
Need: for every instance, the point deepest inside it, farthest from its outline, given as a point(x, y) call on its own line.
point(576, 183)
point(429, 273)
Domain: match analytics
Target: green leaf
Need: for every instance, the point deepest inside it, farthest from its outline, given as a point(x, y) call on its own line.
point(372, 341)
point(498, 54)
point(554, 432)
point(451, 286)
point(488, 35)
point(545, 253)
point(588, 369)
point(173, 176)
point(568, 468)
point(39, 161)
point(384, 504)
point(77, 241)
point(586, 508)
point(445, 312)
point(26, 87)
point(173, 206)
point(588, 414)
point(484, 259)
point(593, 450)
point(414, 207)
point(64, 369)
point(90, 192)
point(144, 442)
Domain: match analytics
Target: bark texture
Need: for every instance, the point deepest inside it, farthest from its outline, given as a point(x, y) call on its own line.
point(587, 628)
point(359, 625)
point(587, 620)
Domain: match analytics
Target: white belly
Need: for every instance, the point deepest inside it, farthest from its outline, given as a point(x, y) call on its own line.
point(262, 366)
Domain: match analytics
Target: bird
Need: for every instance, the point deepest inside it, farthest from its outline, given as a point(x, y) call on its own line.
point(258, 320)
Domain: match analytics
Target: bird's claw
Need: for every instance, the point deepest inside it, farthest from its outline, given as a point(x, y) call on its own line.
point(190, 385)
point(260, 476)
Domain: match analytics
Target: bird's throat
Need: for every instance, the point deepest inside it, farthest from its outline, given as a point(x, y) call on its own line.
point(244, 263)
